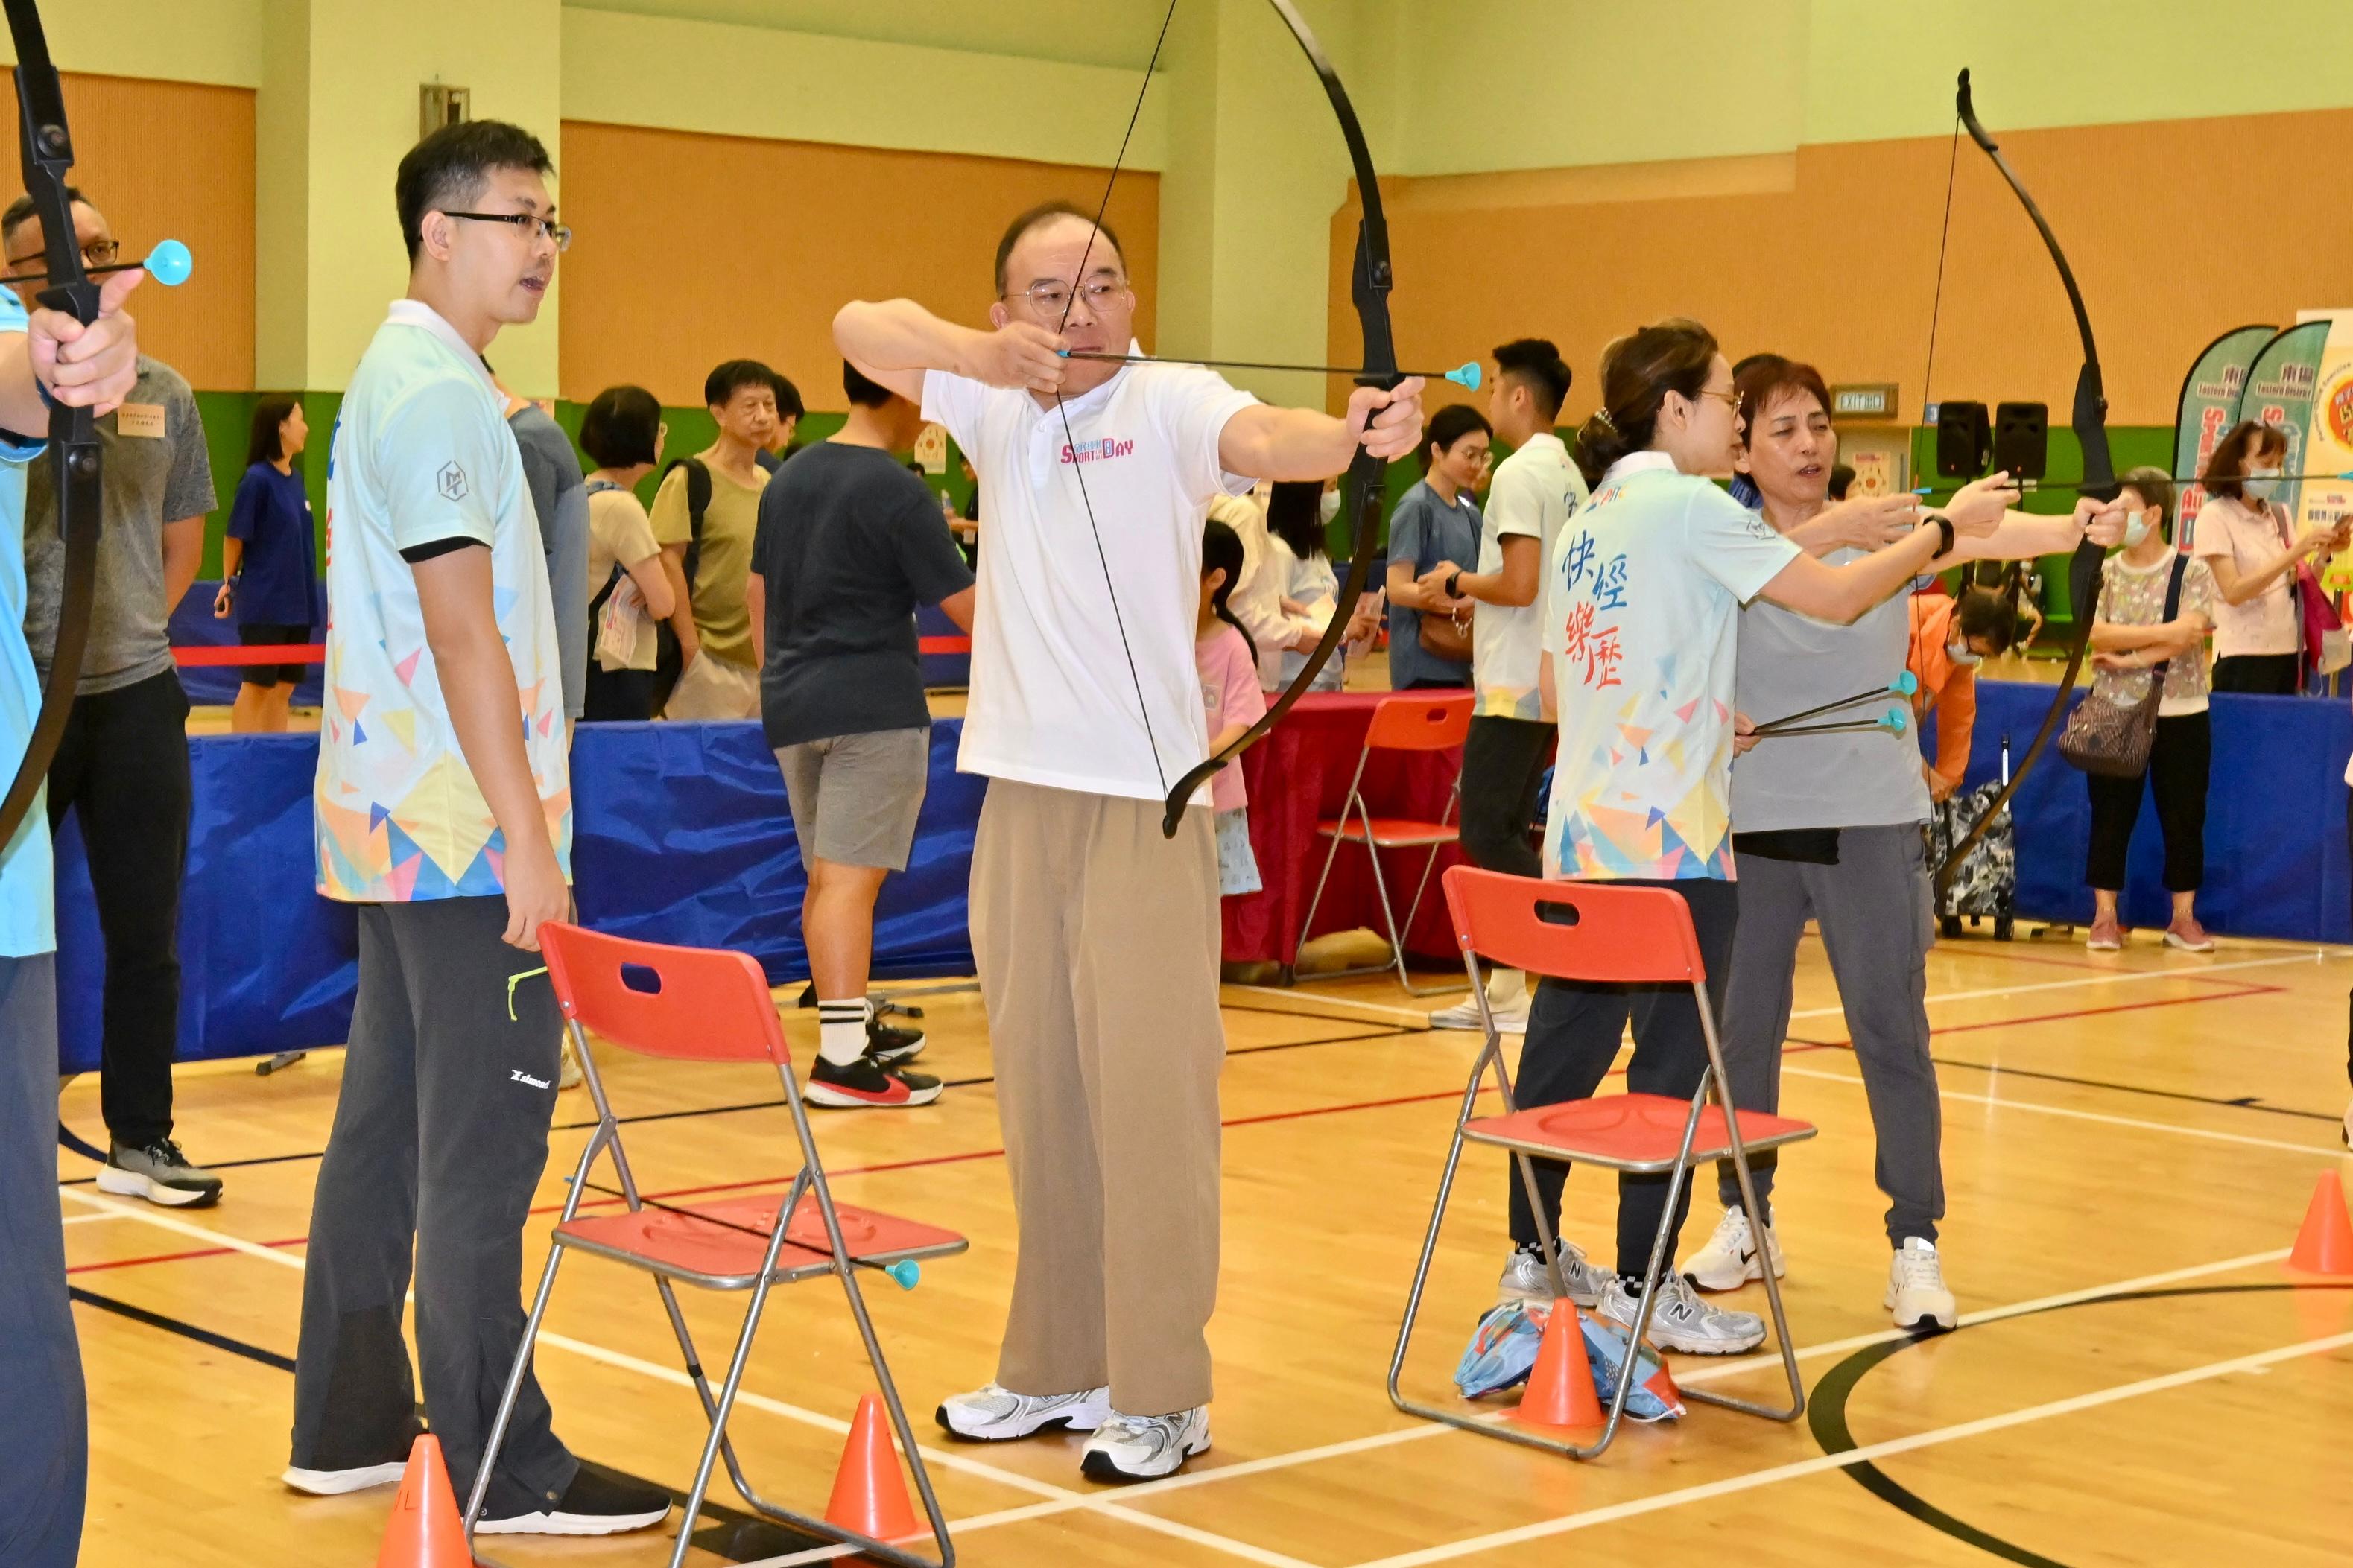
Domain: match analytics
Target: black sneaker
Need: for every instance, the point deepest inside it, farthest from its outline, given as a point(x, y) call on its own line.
point(883, 1005)
point(890, 1045)
point(158, 1173)
point(595, 1503)
point(866, 1083)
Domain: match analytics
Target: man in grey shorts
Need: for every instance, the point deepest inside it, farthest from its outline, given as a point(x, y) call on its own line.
point(849, 543)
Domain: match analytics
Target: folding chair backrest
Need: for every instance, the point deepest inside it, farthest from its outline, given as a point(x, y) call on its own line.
point(1419, 722)
point(696, 1003)
point(1575, 930)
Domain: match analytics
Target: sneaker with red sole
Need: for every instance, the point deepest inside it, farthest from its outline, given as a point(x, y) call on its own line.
point(866, 1084)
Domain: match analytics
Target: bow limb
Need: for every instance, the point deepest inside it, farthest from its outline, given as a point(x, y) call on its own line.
point(73, 454)
point(2089, 420)
point(1361, 489)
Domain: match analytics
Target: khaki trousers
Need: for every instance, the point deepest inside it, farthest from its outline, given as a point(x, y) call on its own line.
point(1098, 944)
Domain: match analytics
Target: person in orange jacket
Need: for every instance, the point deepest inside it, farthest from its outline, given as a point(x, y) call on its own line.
point(1949, 637)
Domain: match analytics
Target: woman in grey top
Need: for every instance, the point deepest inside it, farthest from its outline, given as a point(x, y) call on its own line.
point(1436, 520)
point(1829, 827)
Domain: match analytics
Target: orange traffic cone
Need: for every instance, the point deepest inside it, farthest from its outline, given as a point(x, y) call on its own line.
point(1663, 1385)
point(427, 1530)
point(1560, 1384)
point(2325, 1245)
point(869, 1495)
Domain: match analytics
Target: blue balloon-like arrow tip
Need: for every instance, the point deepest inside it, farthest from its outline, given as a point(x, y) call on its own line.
point(1468, 376)
point(1895, 720)
point(170, 263)
point(906, 1272)
point(1905, 683)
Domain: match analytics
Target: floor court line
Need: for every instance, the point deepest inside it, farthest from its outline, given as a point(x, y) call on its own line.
point(1825, 1463)
point(2119, 977)
point(1686, 1372)
point(2331, 1152)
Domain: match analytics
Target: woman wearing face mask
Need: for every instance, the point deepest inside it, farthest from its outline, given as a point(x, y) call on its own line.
point(1950, 638)
point(2131, 638)
point(1828, 829)
point(1642, 592)
point(2242, 535)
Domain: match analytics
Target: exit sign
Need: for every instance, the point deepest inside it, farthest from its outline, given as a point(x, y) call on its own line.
point(1867, 400)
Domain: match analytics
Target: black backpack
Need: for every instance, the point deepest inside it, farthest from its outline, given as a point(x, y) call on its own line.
point(698, 501)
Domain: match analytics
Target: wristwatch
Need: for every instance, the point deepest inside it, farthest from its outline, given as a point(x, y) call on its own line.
point(1454, 584)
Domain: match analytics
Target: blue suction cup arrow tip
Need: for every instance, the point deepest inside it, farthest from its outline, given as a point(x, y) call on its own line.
point(906, 1272)
point(170, 263)
point(1905, 683)
point(1469, 376)
point(1895, 720)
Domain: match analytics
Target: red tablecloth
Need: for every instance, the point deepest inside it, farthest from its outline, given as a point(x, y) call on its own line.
point(1300, 774)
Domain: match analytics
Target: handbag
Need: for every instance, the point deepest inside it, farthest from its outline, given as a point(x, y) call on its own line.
point(2328, 647)
point(2112, 738)
point(1445, 636)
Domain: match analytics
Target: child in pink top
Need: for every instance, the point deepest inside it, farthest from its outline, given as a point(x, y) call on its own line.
point(1228, 663)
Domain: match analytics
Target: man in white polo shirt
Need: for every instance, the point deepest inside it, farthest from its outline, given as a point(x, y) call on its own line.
point(444, 812)
point(1097, 940)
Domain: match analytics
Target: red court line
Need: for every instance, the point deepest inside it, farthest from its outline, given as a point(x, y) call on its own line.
point(943, 644)
point(835, 1174)
point(249, 653)
point(2243, 990)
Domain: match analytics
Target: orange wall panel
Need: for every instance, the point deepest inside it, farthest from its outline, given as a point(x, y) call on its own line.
point(1832, 257)
point(696, 248)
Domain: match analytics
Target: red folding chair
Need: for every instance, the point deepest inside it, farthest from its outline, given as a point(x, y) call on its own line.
point(1593, 932)
point(697, 1005)
point(1410, 721)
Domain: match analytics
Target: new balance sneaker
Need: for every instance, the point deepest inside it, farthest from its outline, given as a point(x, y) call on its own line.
point(1526, 1278)
point(866, 1084)
point(1681, 1321)
point(1917, 1293)
point(891, 1045)
point(1510, 1019)
point(996, 1414)
point(1729, 1260)
point(336, 1483)
point(158, 1173)
point(1146, 1447)
point(594, 1504)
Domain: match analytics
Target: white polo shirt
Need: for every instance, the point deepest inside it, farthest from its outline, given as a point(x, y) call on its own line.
point(1535, 489)
point(422, 453)
point(1053, 701)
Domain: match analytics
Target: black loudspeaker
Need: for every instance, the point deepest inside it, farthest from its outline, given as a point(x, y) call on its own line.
point(2022, 439)
point(1964, 439)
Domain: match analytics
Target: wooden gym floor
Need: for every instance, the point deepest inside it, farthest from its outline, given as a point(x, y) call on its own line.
point(2130, 1142)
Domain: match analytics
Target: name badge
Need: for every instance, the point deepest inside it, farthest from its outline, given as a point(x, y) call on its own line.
point(144, 419)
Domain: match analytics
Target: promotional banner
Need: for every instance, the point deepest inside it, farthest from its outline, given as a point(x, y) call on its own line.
point(2329, 438)
point(2210, 406)
point(2279, 390)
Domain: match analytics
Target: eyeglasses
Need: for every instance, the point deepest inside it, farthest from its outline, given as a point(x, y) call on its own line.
point(1053, 298)
point(533, 225)
point(1735, 401)
point(97, 253)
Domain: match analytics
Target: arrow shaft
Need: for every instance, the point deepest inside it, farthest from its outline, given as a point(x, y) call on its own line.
point(2033, 485)
point(1243, 365)
point(90, 271)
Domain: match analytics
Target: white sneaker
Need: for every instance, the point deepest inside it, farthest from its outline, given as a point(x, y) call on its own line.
point(1510, 1019)
point(994, 1414)
point(336, 1483)
point(1681, 1321)
point(1916, 1289)
point(1146, 1447)
point(1526, 1278)
point(1728, 1261)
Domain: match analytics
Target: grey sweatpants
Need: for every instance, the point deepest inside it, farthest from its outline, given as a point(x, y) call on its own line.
point(1876, 928)
point(440, 1135)
point(44, 1441)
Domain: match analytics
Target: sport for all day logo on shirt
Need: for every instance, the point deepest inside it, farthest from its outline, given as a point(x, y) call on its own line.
point(1097, 451)
point(1594, 588)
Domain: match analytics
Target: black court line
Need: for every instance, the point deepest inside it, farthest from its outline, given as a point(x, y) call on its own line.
point(2243, 1102)
point(72, 1141)
point(731, 1533)
point(1825, 1413)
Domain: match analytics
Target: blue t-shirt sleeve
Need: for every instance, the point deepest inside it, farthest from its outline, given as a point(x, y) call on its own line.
point(1409, 530)
point(252, 500)
point(16, 447)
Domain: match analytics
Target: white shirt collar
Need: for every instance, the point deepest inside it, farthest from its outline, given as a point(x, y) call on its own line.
point(1638, 462)
point(1085, 402)
point(417, 313)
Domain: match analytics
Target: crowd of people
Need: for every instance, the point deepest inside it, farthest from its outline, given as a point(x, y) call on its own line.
point(1153, 563)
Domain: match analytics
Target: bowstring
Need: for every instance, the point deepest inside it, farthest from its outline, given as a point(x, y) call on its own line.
point(1937, 300)
point(1078, 469)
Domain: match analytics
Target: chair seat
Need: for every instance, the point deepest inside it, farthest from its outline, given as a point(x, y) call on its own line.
point(1391, 832)
point(1629, 1132)
point(721, 1245)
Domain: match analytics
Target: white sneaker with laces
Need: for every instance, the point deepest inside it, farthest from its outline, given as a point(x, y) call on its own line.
point(1728, 1261)
point(1146, 1447)
point(1526, 1278)
point(996, 1414)
point(1510, 1019)
point(1681, 1321)
point(1916, 1292)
